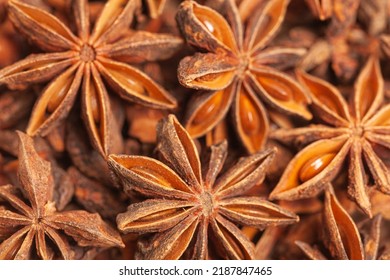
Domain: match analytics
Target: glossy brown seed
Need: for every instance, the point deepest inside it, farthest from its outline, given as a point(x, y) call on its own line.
point(208, 109)
point(94, 105)
point(277, 90)
point(249, 117)
point(314, 166)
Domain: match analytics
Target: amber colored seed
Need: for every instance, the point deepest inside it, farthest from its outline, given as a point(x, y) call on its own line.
point(207, 78)
point(314, 166)
point(56, 98)
point(152, 175)
point(94, 106)
point(277, 90)
point(136, 87)
point(131, 84)
point(210, 26)
point(249, 117)
point(208, 109)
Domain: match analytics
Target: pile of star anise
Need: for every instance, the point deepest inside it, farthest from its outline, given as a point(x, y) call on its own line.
point(220, 129)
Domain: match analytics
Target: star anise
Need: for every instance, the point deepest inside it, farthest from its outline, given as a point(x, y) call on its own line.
point(358, 131)
point(81, 61)
point(240, 70)
point(31, 220)
point(343, 238)
point(189, 204)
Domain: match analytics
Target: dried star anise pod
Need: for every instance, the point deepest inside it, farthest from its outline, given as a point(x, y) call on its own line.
point(194, 211)
point(33, 221)
point(80, 61)
point(357, 132)
point(63, 188)
point(342, 237)
point(239, 70)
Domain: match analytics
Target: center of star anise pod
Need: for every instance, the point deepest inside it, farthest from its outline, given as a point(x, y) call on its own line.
point(36, 221)
point(358, 131)
point(87, 53)
point(244, 63)
point(206, 200)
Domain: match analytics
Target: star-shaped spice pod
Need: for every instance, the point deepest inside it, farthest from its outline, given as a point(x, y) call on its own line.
point(80, 61)
point(189, 204)
point(358, 132)
point(31, 220)
point(342, 237)
point(239, 70)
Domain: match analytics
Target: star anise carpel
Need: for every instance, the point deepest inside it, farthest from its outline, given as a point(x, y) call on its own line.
point(31, 226)
point(343, 238)
point(189, 203)
point(80, 61)
point(349, 135)
point(237, 69)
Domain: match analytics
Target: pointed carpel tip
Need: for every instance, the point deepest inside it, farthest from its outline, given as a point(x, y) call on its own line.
point(270, 153)
point(372, 64)
point(279, 194)
point(171, 118)
point(273, 195)
point(112, 159)
point(273, 150)
point(120, 243)
point(20, 133)
point(367, 211)
point(168, 120)
point(23, 137)
point(121, 225)
point(172, 105)
point(306, 114)
point(223, 144)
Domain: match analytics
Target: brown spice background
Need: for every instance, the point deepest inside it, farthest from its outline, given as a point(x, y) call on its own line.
point(247, 129)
